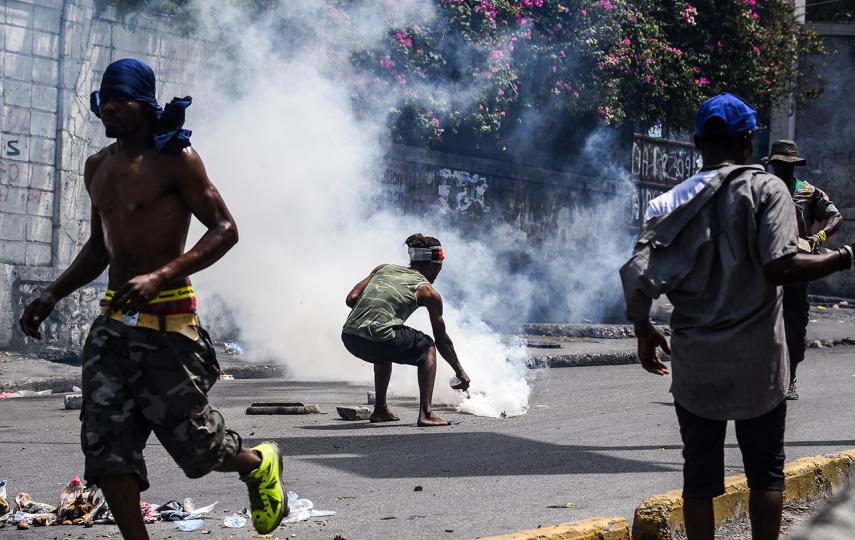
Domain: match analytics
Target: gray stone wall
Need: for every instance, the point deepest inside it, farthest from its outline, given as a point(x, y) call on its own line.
point(826, 137)
point(53, 55)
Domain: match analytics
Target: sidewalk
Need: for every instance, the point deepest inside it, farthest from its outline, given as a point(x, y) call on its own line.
point(549, 345)
point(50, 369)
point(571, 345)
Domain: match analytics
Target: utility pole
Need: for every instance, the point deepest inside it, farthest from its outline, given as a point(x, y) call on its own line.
point(782, 123)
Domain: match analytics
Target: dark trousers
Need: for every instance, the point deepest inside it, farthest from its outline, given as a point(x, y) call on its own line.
point(796, 318)
point(760, 439)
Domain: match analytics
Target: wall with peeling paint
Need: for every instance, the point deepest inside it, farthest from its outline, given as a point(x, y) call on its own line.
point(54, 52)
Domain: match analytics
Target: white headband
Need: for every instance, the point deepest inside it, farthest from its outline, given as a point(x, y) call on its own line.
point(432, 254)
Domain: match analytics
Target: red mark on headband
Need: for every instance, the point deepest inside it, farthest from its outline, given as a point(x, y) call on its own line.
point(440, 254)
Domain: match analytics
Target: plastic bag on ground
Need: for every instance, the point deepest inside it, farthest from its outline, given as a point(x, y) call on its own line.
point(199, 512)
point(175, 511)
point(191, 525)
point(148, 513)
point(233, 347)
point(303, 509)
point(29, 516)
point(234, 521)
point(25, 503)
point(172, 511)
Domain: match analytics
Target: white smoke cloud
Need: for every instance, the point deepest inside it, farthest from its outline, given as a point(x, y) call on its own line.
point(298, 168)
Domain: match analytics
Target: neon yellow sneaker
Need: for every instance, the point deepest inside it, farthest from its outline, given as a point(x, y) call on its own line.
point(268, 500)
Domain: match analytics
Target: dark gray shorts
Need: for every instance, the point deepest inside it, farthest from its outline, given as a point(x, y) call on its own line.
point(409, 347)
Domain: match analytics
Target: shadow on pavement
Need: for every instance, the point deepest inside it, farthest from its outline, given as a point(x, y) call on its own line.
point(432, 454)
point(427, 454)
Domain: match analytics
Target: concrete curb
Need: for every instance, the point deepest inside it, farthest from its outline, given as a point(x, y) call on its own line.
point(587, 330)
point(661, 517)
point(64, 383)
point(622, 358)
point(613, 528)
point(583, 360)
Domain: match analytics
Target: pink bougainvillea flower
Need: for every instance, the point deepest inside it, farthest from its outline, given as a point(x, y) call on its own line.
point(606, 4)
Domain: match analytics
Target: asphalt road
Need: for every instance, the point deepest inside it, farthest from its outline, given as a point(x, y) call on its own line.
point(601, 438)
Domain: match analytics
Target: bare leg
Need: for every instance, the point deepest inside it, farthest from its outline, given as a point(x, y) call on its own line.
point(244, 462)
point(700, 519)
point(123, 495)
point(765, 508)
point(382, 374)
point(427, 377)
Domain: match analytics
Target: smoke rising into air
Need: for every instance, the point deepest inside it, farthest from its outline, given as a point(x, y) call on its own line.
point(299, 168)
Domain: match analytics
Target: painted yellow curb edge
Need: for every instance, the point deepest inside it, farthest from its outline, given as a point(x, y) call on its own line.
point(612, 528)
point(661, 517)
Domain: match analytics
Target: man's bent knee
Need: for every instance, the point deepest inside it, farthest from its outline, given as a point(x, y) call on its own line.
point(201, 443)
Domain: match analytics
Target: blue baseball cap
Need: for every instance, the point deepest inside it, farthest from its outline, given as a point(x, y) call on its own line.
point(737, 114)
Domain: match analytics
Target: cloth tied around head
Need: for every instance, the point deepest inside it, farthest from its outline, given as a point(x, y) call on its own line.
point(135, 79)
point(433, 254)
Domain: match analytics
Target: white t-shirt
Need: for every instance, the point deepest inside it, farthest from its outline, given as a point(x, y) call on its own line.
point(679, 195)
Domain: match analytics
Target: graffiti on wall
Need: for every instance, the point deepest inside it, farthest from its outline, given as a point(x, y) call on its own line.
point(471, 200)
point(664, 162)
point(10, 172)
point(657, 166)
point(463, 191)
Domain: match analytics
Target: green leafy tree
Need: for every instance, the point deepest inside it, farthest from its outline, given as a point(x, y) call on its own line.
point(481, 68)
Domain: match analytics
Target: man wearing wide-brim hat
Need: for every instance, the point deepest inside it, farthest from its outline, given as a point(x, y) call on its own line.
point(812, 206)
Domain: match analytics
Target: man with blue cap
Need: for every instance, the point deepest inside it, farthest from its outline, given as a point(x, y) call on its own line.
point(148, 364)
point(719, 245)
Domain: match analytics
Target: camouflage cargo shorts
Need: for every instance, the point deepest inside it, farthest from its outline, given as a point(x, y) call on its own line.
point(136, 381)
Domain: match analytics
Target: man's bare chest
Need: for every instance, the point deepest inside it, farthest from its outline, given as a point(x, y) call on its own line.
point(121, 187)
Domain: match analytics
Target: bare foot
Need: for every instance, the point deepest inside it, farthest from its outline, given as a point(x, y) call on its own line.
point(432, 421)
point(383, 414)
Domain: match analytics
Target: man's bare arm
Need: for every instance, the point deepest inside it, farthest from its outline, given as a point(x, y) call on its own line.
point(832, 224)
point(649, 341)
point(804, 267)
point(87, 266)
point(205, 202)
point(430, 298)
point(356, 292)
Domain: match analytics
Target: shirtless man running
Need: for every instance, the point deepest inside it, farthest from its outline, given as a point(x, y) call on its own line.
point(375, 330)
point(147, 363)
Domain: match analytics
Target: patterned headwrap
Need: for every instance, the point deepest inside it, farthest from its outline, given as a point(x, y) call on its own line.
point(135, 79)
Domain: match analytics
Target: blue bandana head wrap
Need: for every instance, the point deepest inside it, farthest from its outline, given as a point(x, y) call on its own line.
point(135, 79)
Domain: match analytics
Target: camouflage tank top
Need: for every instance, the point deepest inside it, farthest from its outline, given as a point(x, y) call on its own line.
point(387, 301)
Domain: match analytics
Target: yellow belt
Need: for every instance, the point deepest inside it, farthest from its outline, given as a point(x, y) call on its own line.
point(171, 295)
point(179, 323)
